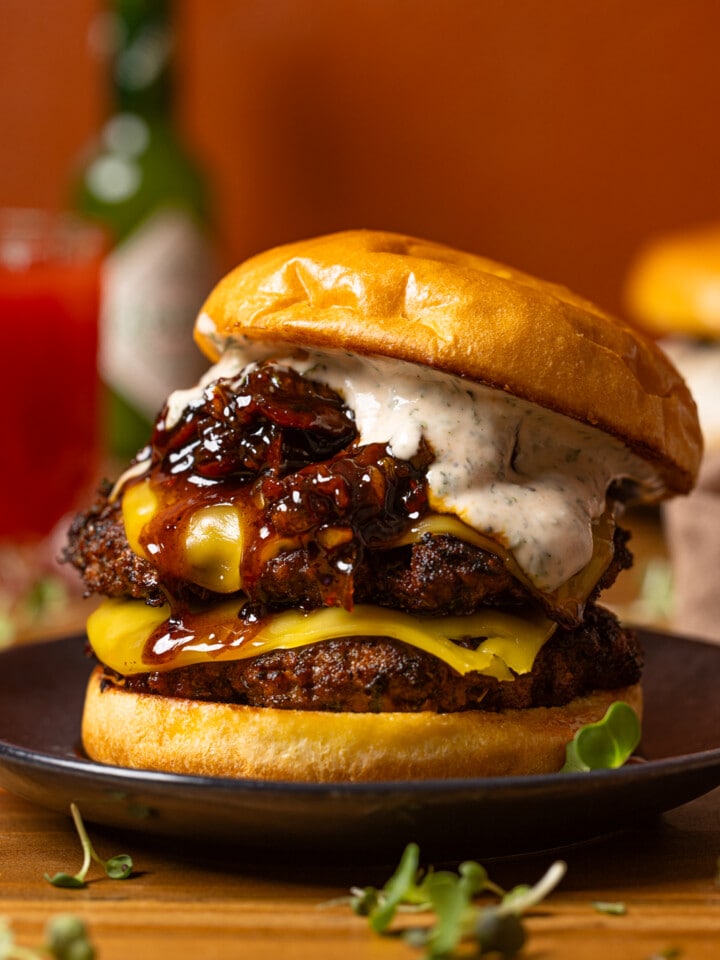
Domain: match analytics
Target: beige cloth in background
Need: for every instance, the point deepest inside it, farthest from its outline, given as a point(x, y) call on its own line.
point(692, 526)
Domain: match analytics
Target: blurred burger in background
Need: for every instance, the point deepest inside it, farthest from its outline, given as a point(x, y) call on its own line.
point(673, 293)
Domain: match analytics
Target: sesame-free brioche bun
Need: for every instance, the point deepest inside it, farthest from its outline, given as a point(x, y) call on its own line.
point(381, 293)
point(673, 286)
point(225, 740)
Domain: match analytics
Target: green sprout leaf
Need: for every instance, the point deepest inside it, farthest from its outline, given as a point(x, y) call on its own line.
point(400, 887)
point(67, 939)
point(117, 868)
point(615, 909)
point(606, 744)
point(76, 881)
point(451, 898)
point(363, 900)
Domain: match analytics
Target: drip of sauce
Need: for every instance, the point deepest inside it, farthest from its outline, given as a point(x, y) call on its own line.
point(203, 631)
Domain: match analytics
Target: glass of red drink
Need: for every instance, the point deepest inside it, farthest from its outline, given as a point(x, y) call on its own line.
point(50, 268)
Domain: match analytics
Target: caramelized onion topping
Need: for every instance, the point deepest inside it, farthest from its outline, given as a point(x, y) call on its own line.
point(283, 450)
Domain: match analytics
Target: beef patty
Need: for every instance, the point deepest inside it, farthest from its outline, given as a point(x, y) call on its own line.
point(436, 575)
point(369, 674)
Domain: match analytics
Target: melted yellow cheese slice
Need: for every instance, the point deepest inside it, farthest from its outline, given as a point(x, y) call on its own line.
point(214, 539)
point(119, 631)
point(139, 506)
point(214, 548)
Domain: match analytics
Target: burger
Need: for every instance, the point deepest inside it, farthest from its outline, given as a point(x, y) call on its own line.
point(673, 294)
point(368, 544)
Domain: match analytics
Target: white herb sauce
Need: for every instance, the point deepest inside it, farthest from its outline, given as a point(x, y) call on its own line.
point(533, 479)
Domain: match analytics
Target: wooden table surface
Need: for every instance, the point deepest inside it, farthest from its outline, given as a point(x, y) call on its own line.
point(185, 902)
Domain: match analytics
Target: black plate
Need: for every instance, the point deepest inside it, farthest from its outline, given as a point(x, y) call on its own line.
point(41, 692)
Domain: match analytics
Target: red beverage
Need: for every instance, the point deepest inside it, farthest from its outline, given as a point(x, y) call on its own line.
point(49, 299)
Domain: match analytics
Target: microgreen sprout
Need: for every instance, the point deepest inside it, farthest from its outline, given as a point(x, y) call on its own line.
point(450, 896)
point(66, 938)
point(606, 744)
point(613, 908)
point(117, 868)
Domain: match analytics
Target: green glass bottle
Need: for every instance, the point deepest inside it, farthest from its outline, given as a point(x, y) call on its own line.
point(140, 182)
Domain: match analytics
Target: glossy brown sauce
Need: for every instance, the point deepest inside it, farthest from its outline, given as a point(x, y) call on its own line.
point(284, 451)
point(201, 629)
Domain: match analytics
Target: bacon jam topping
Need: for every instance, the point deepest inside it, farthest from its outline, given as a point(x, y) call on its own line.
point(279, 453)
point(269, 420)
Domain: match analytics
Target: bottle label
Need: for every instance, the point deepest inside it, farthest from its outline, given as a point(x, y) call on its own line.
point(153, 287)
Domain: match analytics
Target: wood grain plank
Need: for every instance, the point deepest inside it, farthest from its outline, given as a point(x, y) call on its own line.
point(195, 902)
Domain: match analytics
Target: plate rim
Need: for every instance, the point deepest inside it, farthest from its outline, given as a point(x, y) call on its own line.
point(80, 767)
point(684, 763)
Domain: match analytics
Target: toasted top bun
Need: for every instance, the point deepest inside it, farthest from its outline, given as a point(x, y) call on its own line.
point(674, 284)
point(396, 296)
point(225, 740)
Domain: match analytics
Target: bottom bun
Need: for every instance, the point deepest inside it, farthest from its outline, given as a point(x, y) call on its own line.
point(150, 732)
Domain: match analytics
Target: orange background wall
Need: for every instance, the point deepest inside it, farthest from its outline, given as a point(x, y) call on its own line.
point(553, 134)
